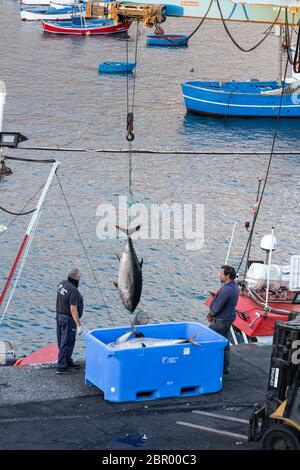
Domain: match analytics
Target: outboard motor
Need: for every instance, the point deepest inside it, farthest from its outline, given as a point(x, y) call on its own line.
point(7, 354)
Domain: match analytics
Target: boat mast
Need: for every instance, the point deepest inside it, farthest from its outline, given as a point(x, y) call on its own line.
point(28, 231)
point(269, 260)
point(278, 33)
point(2, 102)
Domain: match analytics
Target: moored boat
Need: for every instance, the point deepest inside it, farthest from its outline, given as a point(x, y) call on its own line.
point(116, 67)
point(268, 293)
point(242, 99)
point(171, 40)
point(52, 14)
point(46, 2)
point(80, 26)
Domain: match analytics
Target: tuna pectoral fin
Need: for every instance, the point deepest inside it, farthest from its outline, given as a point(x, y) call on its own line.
point(141, 262)
point(116, 284)
point(129, 231)
point(117, 256)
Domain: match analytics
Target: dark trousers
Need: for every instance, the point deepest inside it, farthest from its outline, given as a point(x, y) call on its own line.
point(223, 328)
point(66, 337)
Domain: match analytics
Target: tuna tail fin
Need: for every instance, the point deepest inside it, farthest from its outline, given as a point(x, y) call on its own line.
point(192, 339)
point(129, 231)
point(133, 330)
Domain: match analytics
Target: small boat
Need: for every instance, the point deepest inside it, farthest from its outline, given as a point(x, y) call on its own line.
point(171, 40)
point(52, 14)
point(81, 26)
point(46, 2)
point(242, 99)
point(268, 293)
point(116, 67)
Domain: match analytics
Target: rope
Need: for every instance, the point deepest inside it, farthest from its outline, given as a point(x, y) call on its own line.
point(192, 34)
point(84, 249)
point(11, 222)
point(267, 32)
point(20, 267)
point(16, 213)
point(30, 160)
point(267, 171)
point(161, 152)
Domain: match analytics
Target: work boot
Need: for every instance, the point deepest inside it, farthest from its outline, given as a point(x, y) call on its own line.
point(73, 365)
point(61, 371)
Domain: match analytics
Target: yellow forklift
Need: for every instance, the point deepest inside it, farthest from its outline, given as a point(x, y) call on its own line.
point(277, 423)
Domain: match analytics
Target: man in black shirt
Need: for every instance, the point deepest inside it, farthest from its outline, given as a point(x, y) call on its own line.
point(69, 310)
point(222, 308)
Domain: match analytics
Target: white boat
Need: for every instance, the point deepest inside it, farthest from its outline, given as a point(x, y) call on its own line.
point(46, 2)
point(52, 14)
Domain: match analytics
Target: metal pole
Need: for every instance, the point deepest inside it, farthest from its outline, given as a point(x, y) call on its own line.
point(2, 102)
point(268, 272)
point(278, 32)
point(253, 224)
point(230, 243)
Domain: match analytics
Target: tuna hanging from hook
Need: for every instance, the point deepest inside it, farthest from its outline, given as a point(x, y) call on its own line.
point(130, 279)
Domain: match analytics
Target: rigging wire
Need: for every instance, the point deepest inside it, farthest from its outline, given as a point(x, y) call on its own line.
point(84, 249)
point(267, 172)
point(267, 32)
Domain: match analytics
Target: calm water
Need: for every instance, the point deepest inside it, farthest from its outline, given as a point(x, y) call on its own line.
point(55, 96)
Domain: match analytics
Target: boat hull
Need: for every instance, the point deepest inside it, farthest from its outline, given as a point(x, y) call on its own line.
point(208, 98)
point(31, 15)
point(93, 29)
point(168, 40)
point(116, 67)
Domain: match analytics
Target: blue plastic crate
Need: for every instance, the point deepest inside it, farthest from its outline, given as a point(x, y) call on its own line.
point(149, 373)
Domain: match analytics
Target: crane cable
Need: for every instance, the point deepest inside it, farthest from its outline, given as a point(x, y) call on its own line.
point(268, 31)
point(130, 118)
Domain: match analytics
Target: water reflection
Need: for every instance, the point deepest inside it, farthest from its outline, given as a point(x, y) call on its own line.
point(242, 134)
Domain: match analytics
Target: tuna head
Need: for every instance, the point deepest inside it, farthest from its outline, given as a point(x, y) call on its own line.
point(130, 280)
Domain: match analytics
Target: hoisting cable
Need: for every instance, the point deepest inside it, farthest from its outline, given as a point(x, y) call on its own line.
point(267, 170)
point(130, 119)
point(268, 31)
point(84, 249)
point(160, 34)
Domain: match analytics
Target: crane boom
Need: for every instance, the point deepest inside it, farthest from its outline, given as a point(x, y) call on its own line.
point(251, 11)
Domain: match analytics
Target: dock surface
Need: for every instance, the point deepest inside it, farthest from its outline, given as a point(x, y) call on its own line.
point(41, 410)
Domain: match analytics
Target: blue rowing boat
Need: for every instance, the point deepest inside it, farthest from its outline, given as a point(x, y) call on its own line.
point(243, 99)
point(116, 67)
point(169, 40)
